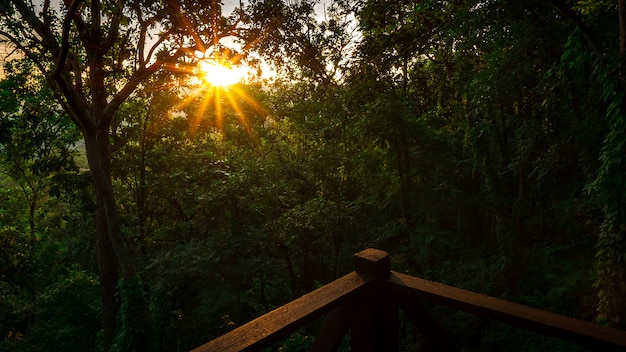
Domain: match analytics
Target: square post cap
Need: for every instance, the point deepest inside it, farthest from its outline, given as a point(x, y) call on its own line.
point(372, 262)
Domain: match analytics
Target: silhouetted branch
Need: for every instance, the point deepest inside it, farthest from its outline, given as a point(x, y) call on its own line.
point(65, 44)
point(580, 24)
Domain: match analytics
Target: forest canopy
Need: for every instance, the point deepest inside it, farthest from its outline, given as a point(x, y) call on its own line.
point(145, 206)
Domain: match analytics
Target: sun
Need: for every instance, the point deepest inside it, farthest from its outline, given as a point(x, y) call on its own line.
point(221, 74)
point(219, 90)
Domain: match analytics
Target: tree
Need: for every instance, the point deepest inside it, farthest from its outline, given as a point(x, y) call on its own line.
point(478, 76)
point(306, 48)
point(36, 142)
point(609, 184)
point(94, 55)
point(37, 155)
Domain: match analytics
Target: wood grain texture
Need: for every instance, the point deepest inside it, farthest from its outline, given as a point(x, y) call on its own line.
point(529, 318)
point(366, 302)
point(281, 321)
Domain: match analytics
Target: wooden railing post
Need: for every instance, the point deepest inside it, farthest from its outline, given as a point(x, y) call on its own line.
point(375, 322)
point(367, 301)
point(373, 262)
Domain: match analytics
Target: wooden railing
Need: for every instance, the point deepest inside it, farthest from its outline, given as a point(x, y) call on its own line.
point(366, 301)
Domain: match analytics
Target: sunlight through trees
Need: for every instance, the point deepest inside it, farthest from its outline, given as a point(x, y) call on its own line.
point(238, 155)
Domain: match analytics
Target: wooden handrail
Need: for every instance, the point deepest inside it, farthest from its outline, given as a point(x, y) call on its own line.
point(285, 319)
point(366, 302)
point(541, 321)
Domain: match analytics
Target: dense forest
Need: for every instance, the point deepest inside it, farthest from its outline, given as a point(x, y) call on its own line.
point(481, 143)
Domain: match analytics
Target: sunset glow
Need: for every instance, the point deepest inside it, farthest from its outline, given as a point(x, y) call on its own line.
point(218, 95)
point(222, 75)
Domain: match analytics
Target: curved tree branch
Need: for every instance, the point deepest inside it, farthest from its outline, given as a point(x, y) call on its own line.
point(65, 41)
point(571, 15)
point(31, 56)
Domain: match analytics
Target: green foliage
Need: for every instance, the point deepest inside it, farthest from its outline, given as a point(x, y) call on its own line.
point(40, 226)
point(132, 333)
point(609, 186)
point(66, 312)
point(36, 137)
point(464, 139)
point(199, 285)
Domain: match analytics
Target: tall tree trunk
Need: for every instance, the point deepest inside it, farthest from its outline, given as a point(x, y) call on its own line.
point(108, 274)
point(127, 316)
point(98, 157)
point(108, 268)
